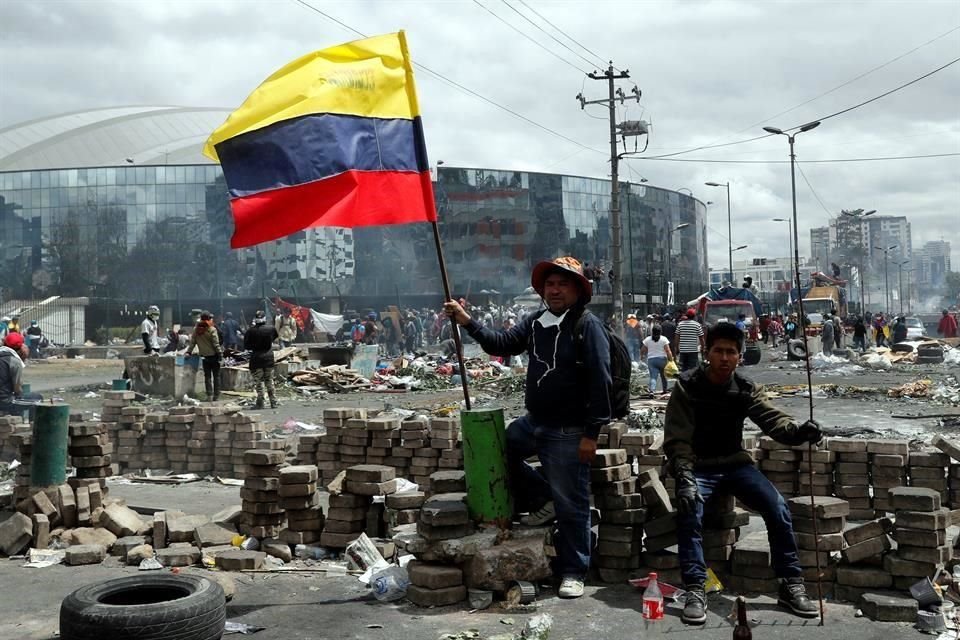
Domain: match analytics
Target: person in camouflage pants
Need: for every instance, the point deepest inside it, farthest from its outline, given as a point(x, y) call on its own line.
point(259, 340)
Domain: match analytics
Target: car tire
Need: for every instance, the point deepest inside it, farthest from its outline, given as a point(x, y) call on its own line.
point(928, 351)
point(930, 359)
point(751, 356)
point(154, 607)
point(796, 350)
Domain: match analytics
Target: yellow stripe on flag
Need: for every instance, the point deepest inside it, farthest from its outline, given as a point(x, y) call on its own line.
point(368, 78)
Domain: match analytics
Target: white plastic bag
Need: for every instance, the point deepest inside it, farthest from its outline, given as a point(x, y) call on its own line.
point(390, 584)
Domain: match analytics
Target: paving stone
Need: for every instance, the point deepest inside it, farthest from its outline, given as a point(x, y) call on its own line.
point(82, 497)
point(239, 559)
point(938, 519)
point(41, 531)
point(433, 533)
point(949, 447)
point(405, 500)
point(299, 474)
point(888, 447)
point(178, 556)
point(931, 555)
point(661, 542)
point(753, 550)
point(823, 525)
point(887, 608)
point(827, 541)
point(88, 535)
point(121, 520)
point(292, 537)
point(445, 509)
point(914, 499)
point(296, 490)
point(160, 529)
point(139, 553)
point(371, 488)
point(434, 576)
point(436, 597)
point(827, 507)
point(866, 549)
point(493, 566)
point(658, 526)
point(897, 566)
point(371, 473)
point(277, 549)
point(656, 498)
point(619, 533)
point(123, 545)
point(228, 515)
point(873, 529)
point(921, 537)
point(212, 534)
point(337, 540)
point(448, 481)
point(263, 457)
point(85, 554)
point(42, 504)
point(863, 577)
point(181, 529)
point(67, 505)
point(610, 457)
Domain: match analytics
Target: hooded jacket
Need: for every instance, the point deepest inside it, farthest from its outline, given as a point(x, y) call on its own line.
point(207, 341)
point(564, 388)
point(11, 373)
point(703, 428)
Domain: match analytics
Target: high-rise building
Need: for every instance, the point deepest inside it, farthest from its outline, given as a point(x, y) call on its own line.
point(931, 265)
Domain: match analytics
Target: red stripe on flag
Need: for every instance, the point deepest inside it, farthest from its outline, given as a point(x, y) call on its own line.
point(349, 199)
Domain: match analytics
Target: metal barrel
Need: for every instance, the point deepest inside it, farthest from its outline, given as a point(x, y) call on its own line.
point(485, 466)
point(48, 458)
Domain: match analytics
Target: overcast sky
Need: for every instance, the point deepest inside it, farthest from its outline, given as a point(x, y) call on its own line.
point(710, 72)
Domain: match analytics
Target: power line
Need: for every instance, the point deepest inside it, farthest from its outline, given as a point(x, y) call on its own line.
point(459, 86)
point(531, 39)
point(813, 191)
point(831, 160)
point(564, 33)
point(552, 37)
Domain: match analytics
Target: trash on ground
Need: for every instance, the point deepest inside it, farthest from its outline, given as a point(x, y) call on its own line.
point(240, 627)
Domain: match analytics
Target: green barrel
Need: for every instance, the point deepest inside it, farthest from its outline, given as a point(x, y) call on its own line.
point(120, 384)
point(48, 460)
point(485, 465)
point(25, 388)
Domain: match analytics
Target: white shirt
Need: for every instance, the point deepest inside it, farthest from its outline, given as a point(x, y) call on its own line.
point(149, 327)
point(656, 349)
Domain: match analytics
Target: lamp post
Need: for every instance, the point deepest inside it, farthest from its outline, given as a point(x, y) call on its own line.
point(859, 214)
point(789, 238)
point(886, 274)
point(900, 269)
point(669, 250)
point(726, 185)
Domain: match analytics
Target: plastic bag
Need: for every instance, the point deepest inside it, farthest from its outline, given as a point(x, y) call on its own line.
point(390, 584)
point(671, 370)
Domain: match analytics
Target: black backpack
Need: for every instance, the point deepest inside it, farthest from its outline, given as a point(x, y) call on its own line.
point(620, 367)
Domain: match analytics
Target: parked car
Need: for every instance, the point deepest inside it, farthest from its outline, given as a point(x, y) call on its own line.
point(915, 328)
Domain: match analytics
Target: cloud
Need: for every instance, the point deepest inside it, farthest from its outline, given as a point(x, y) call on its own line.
point(710, 72)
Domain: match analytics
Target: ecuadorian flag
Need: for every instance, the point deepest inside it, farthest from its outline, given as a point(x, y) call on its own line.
point(332, 139)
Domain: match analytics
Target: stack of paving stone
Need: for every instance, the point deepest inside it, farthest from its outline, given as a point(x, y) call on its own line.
point(750, 565)
point(354, 440)
point(261, 514)
point(21, 487)
point(444, 516)
point(852, 476)
point(637, 445)
point(622, 514)
point(435, 585)
point(201, 446)
point(301, 501)
point(445, 438)
point(91, 454)
point(382, 431)
point(780, 463)
point(611, 434)
point(414, 434)
point(447, 481)
point(11, 426)
point(130, 437)
point(177, 427)
point(659, 528)
point(154, 445)
point(820, 463)
point(928, 469)
point(721, 530)
point(113, 403)
point(248, 433)
point(861, 565)
point(831, 518)
point(952, 451)
point(426, 458)
point(307, 448)
point(402, 509)
point(888, 469)
point(223, 439)
point(920, 529)
point(349, 512)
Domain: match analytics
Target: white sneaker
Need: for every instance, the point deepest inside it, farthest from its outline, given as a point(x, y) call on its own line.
point(542, 516)
point(571, 587)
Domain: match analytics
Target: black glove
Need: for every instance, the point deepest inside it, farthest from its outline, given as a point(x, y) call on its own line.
point(810, 431)
point(688, 495)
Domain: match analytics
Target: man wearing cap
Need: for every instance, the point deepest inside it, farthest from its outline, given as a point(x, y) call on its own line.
point(12, 354)
point(634, 333)
point(689, 342)
point(567, 401)
point(149, 330)
point(259, 339)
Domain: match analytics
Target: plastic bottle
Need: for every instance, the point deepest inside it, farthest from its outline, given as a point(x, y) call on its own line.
point(652, 599)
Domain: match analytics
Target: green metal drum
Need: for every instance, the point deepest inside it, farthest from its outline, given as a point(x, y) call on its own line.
point(485, 466)
point(48, 460)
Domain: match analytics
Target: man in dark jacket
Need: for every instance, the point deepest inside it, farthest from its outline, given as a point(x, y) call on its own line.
point(567, 401)
point(230, 332)
point(259, 339)
point(703, 441)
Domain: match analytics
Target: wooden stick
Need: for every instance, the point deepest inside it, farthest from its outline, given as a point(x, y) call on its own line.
point(454, 327)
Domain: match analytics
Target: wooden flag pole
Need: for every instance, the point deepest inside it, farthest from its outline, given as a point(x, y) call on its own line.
point(454, 327)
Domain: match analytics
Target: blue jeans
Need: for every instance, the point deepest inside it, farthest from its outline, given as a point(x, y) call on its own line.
point(756, 492)
point(633, 346)
point(656, 365)
point(564, 479)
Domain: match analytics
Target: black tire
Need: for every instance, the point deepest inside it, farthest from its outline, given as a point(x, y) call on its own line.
point(751, 356)
point(153, 607)
point(795, 349)
point(930, 359)
point(929, 351)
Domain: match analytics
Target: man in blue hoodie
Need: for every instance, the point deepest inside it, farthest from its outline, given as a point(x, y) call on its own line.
point(567, 401)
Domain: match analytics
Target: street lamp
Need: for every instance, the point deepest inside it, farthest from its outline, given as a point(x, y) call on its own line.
point(859, 214)
point(669, 250)
point(886, 274)
point(900, 269)
point(729, 225)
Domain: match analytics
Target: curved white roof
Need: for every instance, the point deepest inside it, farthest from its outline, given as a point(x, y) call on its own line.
point(110, 137)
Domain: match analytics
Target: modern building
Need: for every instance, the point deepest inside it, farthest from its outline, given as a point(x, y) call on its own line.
point(932, 264)
point(119, 205)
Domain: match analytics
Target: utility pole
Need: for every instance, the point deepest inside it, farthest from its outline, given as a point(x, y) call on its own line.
point(627, 128)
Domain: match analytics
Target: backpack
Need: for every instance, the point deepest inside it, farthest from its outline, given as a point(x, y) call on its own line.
point(620, 367)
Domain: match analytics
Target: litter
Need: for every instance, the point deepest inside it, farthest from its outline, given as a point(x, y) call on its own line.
point(390, 584)
point(917, 389)
point(240, 627)
point(149, 564)
point(42, 558)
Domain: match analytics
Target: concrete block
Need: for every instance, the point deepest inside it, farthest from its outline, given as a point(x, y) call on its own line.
point(847, 445)
point(399, 501)
point(434, 576)
point(296, 490)
point(300, 503)
point(41, 531)
point(863, 577)
point(897, 566)
point(658, 526)
point(67, 505)
point(448, 481)
point(661, 542)
point(931, 555)
point(921, 537)
point(872, 529)
point(619, 533)
point(938, 519)
point(371, 488)
point(753, 550)
point(493, 567)
point(139, 553)
point(43, 504)
point(436, 597)
point(299, 474)
point(239, 559)
point(887, 608)
point(123, 545)
point(948, 447)
point(914, 499)
point(434, 532)
point(88, 535)
point(263, 457)
point(181, 529)
point(160, 530)
point(178, 556)
point(446, 509)
point(337, 540)
point(121, 520)
point(827, 542)
point(212, 534)
point(656, 498)
point(82, 497)
point(826, 507)
point(85, 554)
point(889, 447)
point(824, 525)
point(613, 503)
point(610, 457)
point(866, 549)
point(371, 473)
point(610, 474)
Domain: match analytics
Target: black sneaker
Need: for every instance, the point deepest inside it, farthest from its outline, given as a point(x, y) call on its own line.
point(695, 607)
point(793, 596)
point(259, 404)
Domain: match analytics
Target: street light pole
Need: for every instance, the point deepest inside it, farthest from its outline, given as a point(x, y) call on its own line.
point(859, 214)
point(900, 269)
point(789, 238)
point(729, 227)
point(886, 274)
